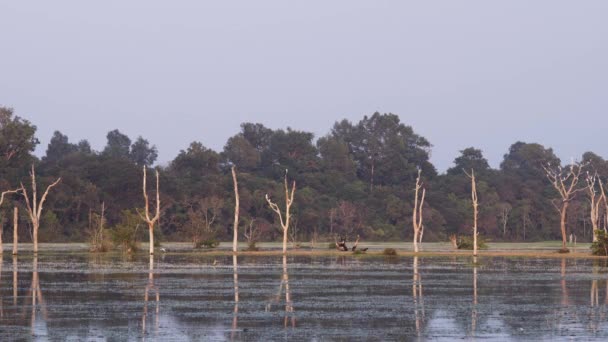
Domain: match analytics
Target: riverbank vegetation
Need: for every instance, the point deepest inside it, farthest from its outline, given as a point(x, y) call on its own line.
point(358, 179)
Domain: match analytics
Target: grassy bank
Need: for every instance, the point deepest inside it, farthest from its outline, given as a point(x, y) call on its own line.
point(545, 249)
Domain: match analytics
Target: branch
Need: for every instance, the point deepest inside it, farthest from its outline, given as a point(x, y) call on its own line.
point(8, 192)
point(44, 196)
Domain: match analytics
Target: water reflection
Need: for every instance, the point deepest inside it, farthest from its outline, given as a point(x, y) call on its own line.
point(1, 298)
point(151, 288)
point(38, 303)
point(235, 313)
point(564, 288)
point(289, 318)
point(15, 280)
point(474, 309)
point(418, 298)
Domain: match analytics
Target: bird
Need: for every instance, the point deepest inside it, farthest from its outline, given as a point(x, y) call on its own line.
point(162, 249)
point(214, 262)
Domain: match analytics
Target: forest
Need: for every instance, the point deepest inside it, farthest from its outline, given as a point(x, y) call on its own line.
point(359, 179)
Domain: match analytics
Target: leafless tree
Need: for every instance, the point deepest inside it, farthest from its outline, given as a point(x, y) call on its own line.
point(595, 200)
point(235, 240)
point(288, 202)
point(603, 199)
point(505, 210)
point(34, 207)
point(565, 182)
point(475, 203)
point(417, 211)
point(202, 215)
point(4, 193)
point(151, 221)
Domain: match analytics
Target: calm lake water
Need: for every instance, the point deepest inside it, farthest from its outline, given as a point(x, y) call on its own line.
point(79, 297)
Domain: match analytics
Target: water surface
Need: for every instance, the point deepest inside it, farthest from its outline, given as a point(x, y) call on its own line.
point(77, 297)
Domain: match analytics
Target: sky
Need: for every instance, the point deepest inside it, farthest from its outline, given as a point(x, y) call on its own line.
point(461, 73)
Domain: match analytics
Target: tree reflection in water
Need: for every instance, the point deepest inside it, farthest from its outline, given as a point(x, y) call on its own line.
point(418, 298)
point(289, 310)
point(38, 303)
point(15, 280)
point(474, 309)
point(151, 288)
point(235, 314)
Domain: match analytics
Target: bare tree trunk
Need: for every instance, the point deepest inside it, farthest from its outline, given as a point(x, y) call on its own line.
point(236, 211)
point(417, 212)
point(594, 203)
point(563, 216)
point(15, 230)
point(475, 210)
point(146, 216)
point(276, 209)
point(1, 201)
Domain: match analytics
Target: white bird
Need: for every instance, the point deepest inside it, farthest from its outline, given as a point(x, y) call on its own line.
point(214, 262)
point(162, 249)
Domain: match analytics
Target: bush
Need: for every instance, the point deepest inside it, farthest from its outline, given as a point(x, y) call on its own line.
point(600, 247)
point(209, 243)
point(331, 245)
point(124, 234)
point(252, 247)
point(389, 252)
point(467, 243)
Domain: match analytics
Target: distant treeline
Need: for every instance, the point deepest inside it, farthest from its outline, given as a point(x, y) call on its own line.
point(358, 179)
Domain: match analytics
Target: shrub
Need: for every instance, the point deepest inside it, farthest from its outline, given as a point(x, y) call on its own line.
point(600, 247)
point(466, 242)
point(209, 243)
point(389, 252)
point(124, 234)
point(252, 247)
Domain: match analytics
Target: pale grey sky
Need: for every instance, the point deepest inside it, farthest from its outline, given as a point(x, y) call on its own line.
point(462, 73)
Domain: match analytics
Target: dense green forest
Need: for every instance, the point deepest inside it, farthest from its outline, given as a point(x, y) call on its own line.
point(357, 179)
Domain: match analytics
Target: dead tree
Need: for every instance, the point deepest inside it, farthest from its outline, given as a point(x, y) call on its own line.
point(417, 212)
point(34, 207)
point(565, 182)
point(151, 221)
point(288, 202)
point(235, 240)
point(15, 229)
point(603, 199)
point(505, 210)
point(2, 201)
point(594, 203)
point(475, 203)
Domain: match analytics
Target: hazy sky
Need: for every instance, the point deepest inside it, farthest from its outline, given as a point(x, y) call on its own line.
point(462, 73)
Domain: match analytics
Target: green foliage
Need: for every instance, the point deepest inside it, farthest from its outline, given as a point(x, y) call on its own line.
point(389, 252)
point(600, 247)
point(124, 234)
point(252, 247)
point(335, 190)
point(209, 243)
point(466, 242)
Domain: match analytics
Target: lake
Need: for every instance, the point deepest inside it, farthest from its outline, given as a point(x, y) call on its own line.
point(80, 296)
